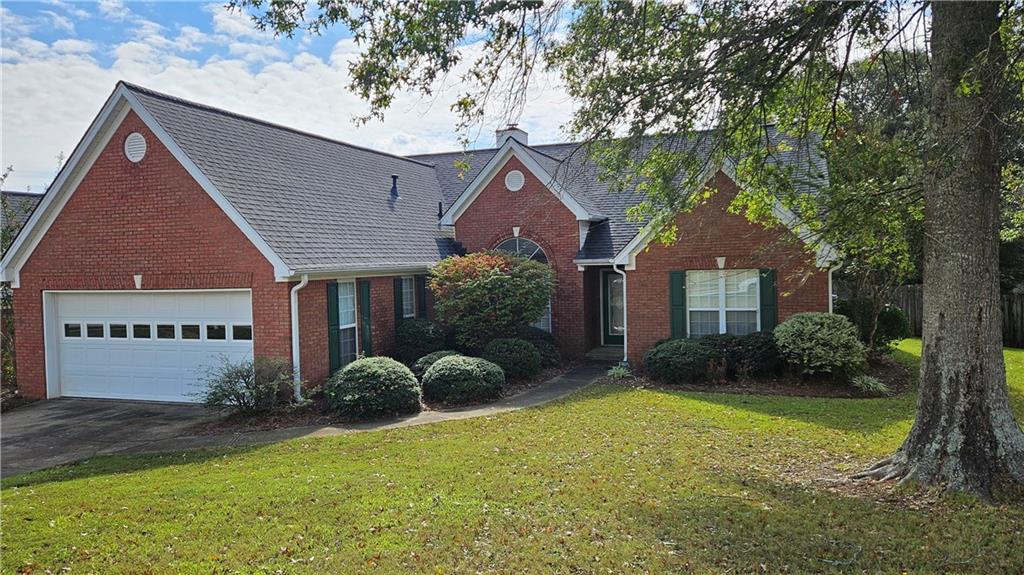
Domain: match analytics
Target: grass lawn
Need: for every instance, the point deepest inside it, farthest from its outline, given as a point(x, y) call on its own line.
point(610, 480)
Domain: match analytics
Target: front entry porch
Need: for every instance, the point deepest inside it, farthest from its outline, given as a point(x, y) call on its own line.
point(604, 303)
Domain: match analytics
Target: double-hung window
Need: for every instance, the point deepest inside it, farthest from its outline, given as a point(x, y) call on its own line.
point(347, 320)
point(722, 301)
point(408, 297)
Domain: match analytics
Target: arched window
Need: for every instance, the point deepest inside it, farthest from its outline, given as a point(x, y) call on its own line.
point(523, 247)
point(528, 249)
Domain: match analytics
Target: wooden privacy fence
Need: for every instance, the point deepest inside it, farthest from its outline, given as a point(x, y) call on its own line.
point(910, 299)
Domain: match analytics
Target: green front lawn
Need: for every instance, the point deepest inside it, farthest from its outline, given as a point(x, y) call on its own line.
point(611, 480)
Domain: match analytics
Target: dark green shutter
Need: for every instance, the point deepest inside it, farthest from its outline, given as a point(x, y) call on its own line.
point(421, 296)
point(333, 333)
point(398, 302)
point(769, 300)
point(677, 302)
point(365, 329)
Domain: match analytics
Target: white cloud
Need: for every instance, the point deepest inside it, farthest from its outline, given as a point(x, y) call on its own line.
point(114, 10)
point(14, 25)
point(70, 8)
point(257, 79)
point(73, 46)
point(233, 23)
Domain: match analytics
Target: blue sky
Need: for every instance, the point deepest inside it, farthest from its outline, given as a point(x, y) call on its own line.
point(59, 60)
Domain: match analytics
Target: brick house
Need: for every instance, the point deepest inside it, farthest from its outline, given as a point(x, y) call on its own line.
point(177, 234)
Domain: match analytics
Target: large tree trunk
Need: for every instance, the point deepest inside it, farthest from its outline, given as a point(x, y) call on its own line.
point(965, 435)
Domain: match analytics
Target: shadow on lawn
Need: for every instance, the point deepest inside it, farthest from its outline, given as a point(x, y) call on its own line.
point(118, 464)
point(746, 524)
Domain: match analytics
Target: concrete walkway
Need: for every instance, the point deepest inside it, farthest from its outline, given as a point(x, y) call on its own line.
point(63, 431)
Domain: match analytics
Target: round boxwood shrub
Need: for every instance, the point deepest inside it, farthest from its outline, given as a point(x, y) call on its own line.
point(815, 342)
point(458, 379)
point(415, 338)
point(677, 361)
point(421, 365)
point(373, 387)
point(544, 341)
point(723, 353)
point(518, 358)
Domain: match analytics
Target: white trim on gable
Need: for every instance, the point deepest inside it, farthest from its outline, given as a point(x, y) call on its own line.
point(96, 138)
point(511, 148)
point(825, 254)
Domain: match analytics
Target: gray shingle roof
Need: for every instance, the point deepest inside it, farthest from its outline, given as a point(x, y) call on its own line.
point(22, 204)
point(570, 165)
point(321, 205)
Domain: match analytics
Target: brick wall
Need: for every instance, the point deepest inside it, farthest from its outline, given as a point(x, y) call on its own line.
point(705, 233)
point(149, 218)
point(543, 219)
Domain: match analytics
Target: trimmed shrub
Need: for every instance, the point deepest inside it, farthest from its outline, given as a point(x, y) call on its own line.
point(677, 361)
point(421, 365)
point(485, 295)
point(544, 341)
point(869, 385)
point(758, 355)
point(518, 358)
point(373, 387)
point(892, 323)
point(247, 386)
point(415, 338)
point(815, 342)
point(457, 379)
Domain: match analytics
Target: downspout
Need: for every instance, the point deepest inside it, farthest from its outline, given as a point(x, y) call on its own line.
point(296, 356)
point(625, 315)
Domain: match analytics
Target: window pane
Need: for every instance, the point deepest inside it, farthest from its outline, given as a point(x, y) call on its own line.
point(703, 323)
point(118, 331)
point(241, 332)
point(94, 330)
point(216, 331)
point(72, 330)
point(165, 331)
point(740, 322)
point(141, 331)
point(348, 345)
point(190, 331)
point(347, 303)
point(544, 322)
point(408, 297)
point(523, 247)
point(741, 289)
point(702, 289)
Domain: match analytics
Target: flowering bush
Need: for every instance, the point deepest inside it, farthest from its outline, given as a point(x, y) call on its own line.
point(486, 295)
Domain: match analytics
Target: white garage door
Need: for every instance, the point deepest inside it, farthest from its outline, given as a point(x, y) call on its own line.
point(147, 345)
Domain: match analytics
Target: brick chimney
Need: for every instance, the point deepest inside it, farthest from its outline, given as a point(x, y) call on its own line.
point(510, 131)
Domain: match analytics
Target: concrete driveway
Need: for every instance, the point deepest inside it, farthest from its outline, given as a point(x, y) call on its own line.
point(56, 431)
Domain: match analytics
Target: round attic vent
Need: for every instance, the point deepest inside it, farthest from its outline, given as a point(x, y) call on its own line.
point(514, 180)
point(135, 147)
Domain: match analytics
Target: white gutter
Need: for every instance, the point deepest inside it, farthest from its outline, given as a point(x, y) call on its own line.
point(296, 356)
point(625, 314)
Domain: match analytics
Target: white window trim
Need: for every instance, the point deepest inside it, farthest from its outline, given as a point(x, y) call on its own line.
point(184, 323)
point(156, 327)
point(85, 332)
point(412, 298)
point(207, 324)
point(354, 326)
point(127, 330)
point(721, 309)
point(131, 331)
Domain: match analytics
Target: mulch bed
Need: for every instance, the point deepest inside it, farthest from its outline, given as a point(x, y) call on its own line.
point(316, 413)
point(893, 374)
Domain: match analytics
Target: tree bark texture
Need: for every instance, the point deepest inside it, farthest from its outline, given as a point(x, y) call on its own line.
point(965, 435)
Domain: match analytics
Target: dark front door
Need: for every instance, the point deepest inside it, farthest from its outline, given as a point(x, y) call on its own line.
point(613, 314)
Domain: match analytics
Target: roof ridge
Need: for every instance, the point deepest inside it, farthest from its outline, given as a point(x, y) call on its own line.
point(207, 107)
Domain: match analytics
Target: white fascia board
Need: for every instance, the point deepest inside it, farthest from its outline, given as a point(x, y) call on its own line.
point(363, 272)
point(281, 269)
point(78, 165)
point(825, 254)
point(512, 148)
point(71, 174)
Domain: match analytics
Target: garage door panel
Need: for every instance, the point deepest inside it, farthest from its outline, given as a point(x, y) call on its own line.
point(152, 369)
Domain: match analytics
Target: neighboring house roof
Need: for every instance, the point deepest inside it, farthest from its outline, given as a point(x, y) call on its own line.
point(611, 230)
point(321, 205)
point(22, 204)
